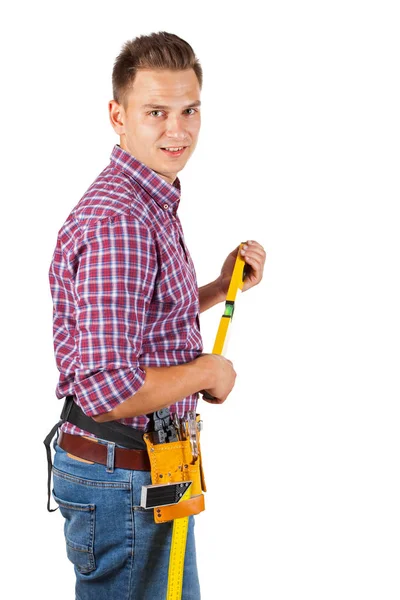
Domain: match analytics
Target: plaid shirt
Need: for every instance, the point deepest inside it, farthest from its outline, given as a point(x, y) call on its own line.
point(124, 290)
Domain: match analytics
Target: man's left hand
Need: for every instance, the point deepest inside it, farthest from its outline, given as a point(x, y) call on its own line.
point(254, 256)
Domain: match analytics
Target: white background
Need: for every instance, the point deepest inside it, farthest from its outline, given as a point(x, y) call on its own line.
point(299, 149)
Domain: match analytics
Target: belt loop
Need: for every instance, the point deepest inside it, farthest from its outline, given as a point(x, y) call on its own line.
point(110, 457)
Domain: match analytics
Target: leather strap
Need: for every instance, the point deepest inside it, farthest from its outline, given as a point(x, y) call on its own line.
point(185, 508)
point(136, 460)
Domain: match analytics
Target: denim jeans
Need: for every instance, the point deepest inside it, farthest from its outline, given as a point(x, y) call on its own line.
point(118, 551)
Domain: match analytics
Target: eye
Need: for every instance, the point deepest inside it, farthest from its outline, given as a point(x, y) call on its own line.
point(155, 111)
point(193, 109)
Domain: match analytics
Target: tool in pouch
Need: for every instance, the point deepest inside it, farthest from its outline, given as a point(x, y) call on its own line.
point(175, 457)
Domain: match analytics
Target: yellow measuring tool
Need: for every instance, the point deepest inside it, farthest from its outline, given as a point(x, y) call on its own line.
point(235, 285)
point(180, 526)
point(177, 555)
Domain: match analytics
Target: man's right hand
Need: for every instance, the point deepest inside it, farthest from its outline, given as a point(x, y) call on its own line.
point(222, 371)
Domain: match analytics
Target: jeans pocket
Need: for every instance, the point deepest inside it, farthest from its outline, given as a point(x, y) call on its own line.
point(79, 533)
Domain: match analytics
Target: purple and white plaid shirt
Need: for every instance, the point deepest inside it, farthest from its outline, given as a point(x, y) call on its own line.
point(124, 290)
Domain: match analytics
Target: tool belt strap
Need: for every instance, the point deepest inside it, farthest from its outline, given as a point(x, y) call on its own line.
point(112, 432)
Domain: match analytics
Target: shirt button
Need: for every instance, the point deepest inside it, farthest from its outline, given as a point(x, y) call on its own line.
point(166, 206)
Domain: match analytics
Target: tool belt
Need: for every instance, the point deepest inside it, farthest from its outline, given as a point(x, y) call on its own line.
point(175, 465)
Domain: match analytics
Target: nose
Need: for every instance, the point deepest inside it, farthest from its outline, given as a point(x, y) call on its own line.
point(175, 127)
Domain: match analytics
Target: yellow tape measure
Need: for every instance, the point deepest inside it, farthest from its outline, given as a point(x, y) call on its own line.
point(177, 555)
point(180, 526)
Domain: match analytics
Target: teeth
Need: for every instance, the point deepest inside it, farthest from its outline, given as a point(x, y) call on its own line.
point(173, 149)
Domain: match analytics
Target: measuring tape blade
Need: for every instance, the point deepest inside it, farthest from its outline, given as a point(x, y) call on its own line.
point(177, 555)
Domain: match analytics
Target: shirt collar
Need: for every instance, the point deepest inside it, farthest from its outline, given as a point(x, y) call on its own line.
point(160, 190)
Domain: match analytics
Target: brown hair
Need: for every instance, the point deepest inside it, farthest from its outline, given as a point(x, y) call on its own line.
point(160, 50)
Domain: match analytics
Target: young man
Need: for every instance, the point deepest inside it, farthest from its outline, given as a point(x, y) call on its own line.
point(126, 324)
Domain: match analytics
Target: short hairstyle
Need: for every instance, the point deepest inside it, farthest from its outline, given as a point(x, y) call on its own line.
point(160, 50)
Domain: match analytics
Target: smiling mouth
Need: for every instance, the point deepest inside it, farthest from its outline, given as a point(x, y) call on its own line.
point(174, 151)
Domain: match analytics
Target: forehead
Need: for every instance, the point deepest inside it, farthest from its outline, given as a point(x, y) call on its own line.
point(164, 87)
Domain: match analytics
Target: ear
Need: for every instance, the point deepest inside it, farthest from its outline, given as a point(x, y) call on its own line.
point(117, 116)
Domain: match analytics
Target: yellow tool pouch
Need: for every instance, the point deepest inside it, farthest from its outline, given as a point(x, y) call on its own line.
point(173, 462)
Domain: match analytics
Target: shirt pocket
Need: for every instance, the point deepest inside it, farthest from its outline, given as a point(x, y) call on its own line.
point(79, 533)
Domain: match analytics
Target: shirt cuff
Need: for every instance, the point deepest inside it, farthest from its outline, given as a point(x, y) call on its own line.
point(100, 392)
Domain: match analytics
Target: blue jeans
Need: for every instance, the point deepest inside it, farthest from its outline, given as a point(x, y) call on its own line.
point(118, 551)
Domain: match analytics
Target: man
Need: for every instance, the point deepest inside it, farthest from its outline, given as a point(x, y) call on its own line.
point(126, 324)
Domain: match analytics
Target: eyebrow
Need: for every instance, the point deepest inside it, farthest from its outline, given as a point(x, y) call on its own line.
point(163, 107)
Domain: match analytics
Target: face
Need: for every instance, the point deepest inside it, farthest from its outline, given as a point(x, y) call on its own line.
point(162, 110)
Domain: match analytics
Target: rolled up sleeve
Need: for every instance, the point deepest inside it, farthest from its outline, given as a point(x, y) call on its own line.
point(114, 284)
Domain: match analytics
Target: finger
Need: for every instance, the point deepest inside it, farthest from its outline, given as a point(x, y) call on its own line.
point(253, 251)
point(254, 262)
point(256, 270)
point(254, 245)
point(257, 248)
point(217, 401)
point(255, 255)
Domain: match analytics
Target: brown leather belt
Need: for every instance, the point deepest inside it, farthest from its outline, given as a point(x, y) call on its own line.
point(136, 460)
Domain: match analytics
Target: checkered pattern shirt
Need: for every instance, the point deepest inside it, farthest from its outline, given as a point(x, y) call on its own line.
point(124, 290)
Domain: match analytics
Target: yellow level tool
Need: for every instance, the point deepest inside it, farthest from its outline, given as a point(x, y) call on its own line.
point(235, 285)
point(180, 526)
